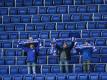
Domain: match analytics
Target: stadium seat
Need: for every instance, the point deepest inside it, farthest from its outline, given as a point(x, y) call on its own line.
point(9, 27)
point(40, 27)
point(93, 76)
point(9, 52)
point(38, 3)
point(1, 61)
point(4, 70)
point(42, 52)
point(36, 18)
point(60, 26)
point(101, 25)
point(19, 27)
point(64, 34)
point(44, 35)
point(98, 1)
point(3, 36)
point(104, 59)
point(6, 19)
point(27, 3)
point(62, 9)
point(42, 10)
point(68, 2)
point(56, 18)
point(6, 44)
point(54, 34)
point(72, 77)
point(82, 77)
point(45, 69)
point(30, 27)
point(50, 26)
point(100, 68)
point(22, 11)
point(86, 17)
point(100, 42)
point(97, 17)
point(103, 50)
point(13, 11)
point(53, 59)
point(35, 35)
point(75, 17)
point(39, 77)
point(102, 8)
point(103, 76)
point(10, 60)
point(2, 27)
point(17, 77)
point(66, 18)
point(78, 68)
point(72, 9)
point(81, 9)
point(61, 77)
point(95, 33)
point(91, 25)
point(95, 59)
point(51, 10)
point(104, 17)
point(41, 60)
point(2, 3)
point(74, 60)
point(81, 25)
point(70, 26)
point(9, 3)
point(21, 61)
point(13, 70)
point(23, 70)
point(32, 10)
point(7, 77)
point(92, 8)
point(15, 19)
point(13, 35)
point(55, 69)
point(28, 77)
point(26, 19)
point(23, 35)
point(3, 11)
point(45, 18)
point(58, 2)
point(78, 2)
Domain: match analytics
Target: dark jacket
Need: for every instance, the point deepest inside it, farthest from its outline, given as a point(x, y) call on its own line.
point(67, 50)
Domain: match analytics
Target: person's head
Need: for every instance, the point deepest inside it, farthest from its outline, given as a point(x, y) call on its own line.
point(30, 38)
point(65, 45)
point(31, 46)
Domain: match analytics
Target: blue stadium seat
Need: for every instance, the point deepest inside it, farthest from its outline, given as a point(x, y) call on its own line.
point(72, 9)
point(53, 60)
point(50, 77)
point(36, 18)
point(100, 68)
point(78, 68)
point(48, 2)
point(23, 35)
point(27, 2)
point(92, 8)
point(39, 77)
point(86, 17)
point(104, 33)
point(21, 61)
point(34, 35)
point(103, 76)
point(23, 70)
point(55, 69)
point(3, 11)
point(18, 52)
point(100, 42)
point(54, 34)
point(40, 27)
point(82, 77)
point(64, 34)
point(41, 60)
point(28, 77)
point(60, 26)
point(46, 69)
point(70, 26)
point(45, 18)
point(98, 1)
point(50, 26)
point(93, 76)
point(13, 11)
point(104, 17)
point(61, 77)
point(42, 10)
point(30, 27)
point(74, 60)
point(91, 25)
point(76, 17)
point(2, 27)
point(1, 3)
point(22, 11)
point(102, 8)
point(44, 35)
point(66, 18)
point(38, 3)
point(101, 25)
point(81, 25)
point(6, 19)
point(4, 70)
point(19, 27)
point(104, 59)
point(58, 2)
point(52, 10)
point(13, 35)
point(95, 60)
point(86, 2)
point(56, 18)
point(42, 52)
point(97, 17)
point(15, 19)
point(1, 61)
point(62, 9)
point(10, 60)
point(81, 9)
point(68, 2)
point(72, 77)
point(9, 3)
point(32, 10)
point(10, 27)
point(6, 44)
point(17, 77)
point(7, 77)
point(9, 52)
point(26, 19)
point(19, 3)
point(3, 36)
point(95, 33)
point(78, 2)
point(13, 70)
point(103, 50)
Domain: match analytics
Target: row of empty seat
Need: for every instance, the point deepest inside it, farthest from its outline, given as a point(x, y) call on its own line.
point(54, 18)
point(21, 3)
point(53, 26)
point(99, 68)
point(53, 10)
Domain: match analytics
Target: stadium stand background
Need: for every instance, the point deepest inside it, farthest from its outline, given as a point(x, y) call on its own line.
point(47, 19)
